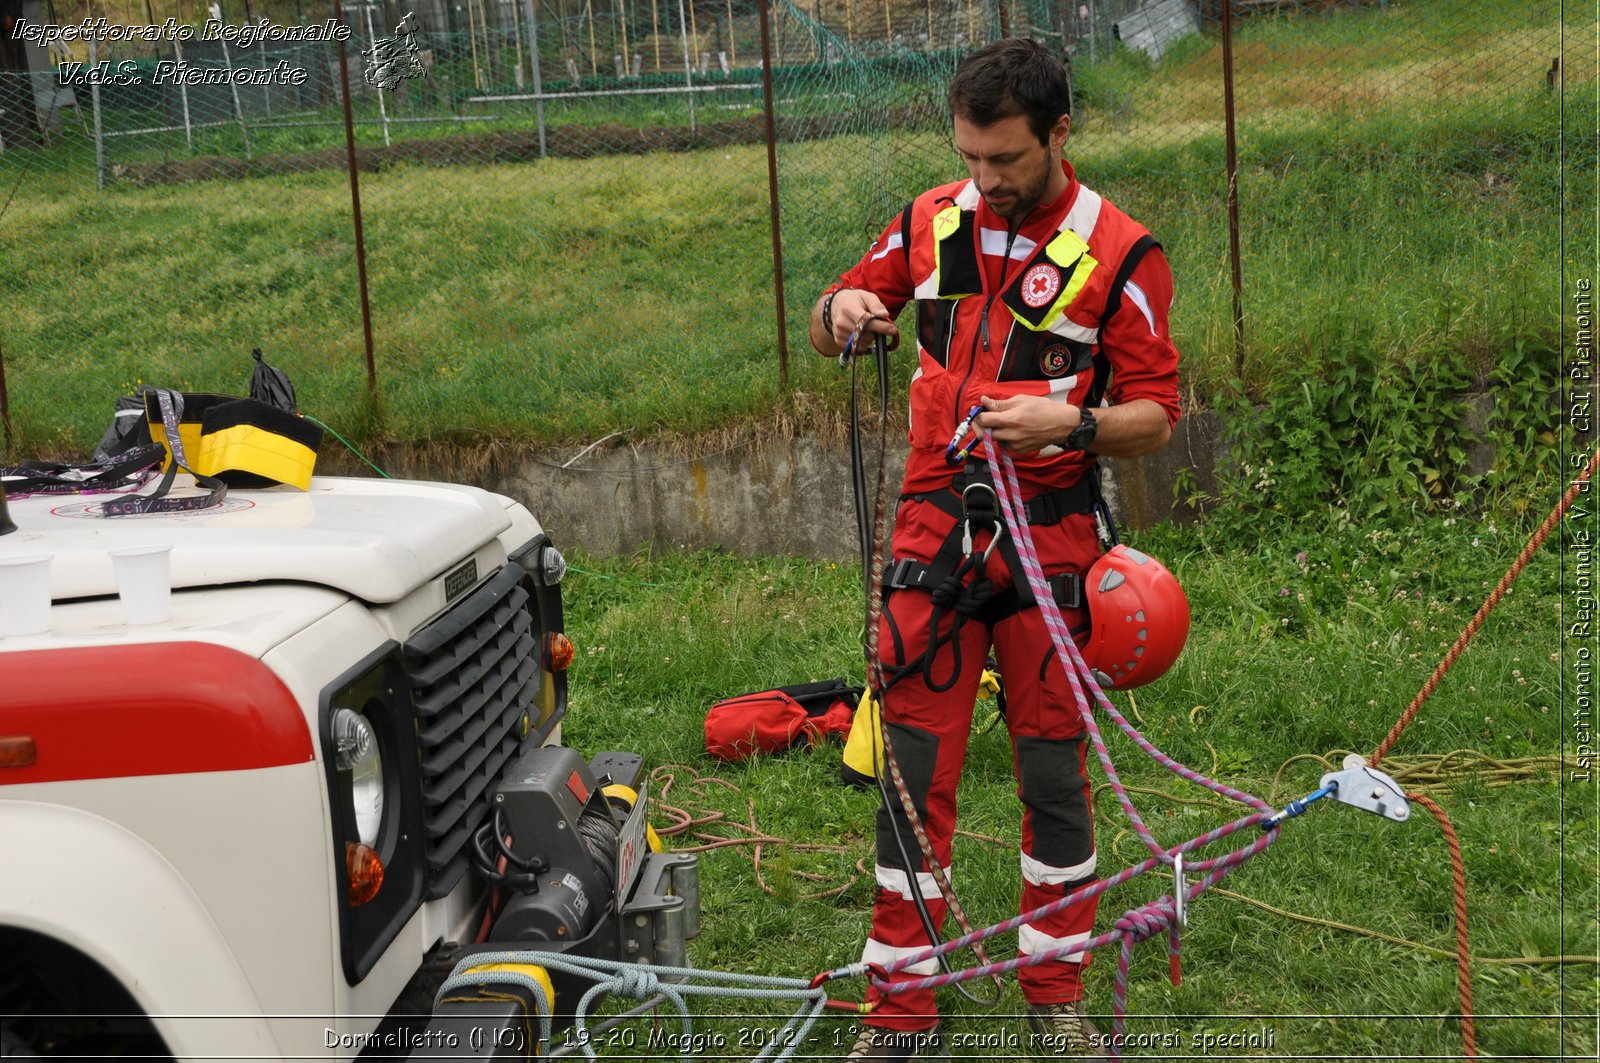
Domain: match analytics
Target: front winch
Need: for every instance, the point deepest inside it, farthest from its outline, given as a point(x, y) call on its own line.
point(578, 872)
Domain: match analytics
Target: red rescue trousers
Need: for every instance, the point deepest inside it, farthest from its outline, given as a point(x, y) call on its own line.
point(929, 727)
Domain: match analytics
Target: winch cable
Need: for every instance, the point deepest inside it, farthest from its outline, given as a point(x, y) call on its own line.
point(1458, 875)
point(599, 833)
point(871, 537)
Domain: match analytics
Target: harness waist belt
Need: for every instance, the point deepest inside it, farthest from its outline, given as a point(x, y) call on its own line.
point(909, 573)
point(1043, 510)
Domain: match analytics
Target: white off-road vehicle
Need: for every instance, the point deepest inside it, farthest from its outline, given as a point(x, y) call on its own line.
point(267, 825)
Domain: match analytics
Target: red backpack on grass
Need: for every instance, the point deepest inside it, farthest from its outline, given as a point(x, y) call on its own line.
point(770, 721)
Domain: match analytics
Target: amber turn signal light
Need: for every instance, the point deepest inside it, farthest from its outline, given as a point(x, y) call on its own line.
point(558, 652)
point(365, 871)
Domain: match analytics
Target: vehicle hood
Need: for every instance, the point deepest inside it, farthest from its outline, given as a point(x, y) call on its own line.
point(374, 539)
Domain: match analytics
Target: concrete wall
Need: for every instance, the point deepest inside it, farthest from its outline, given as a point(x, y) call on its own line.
point(763, 495)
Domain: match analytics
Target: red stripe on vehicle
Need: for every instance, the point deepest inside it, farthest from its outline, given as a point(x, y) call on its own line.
point(160, 708)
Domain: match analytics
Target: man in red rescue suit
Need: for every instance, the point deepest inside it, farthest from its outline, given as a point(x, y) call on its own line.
point(1039, 301)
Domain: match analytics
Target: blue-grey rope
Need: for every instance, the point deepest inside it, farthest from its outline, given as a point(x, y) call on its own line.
point(641, 981)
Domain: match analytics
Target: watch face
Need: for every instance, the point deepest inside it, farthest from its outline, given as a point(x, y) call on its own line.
point(1082, 435)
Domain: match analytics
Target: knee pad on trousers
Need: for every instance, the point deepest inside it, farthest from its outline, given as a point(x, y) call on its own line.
point(917, 753)
point(1053, 789)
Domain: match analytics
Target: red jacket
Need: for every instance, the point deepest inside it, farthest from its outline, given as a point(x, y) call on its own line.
point(1045, 288)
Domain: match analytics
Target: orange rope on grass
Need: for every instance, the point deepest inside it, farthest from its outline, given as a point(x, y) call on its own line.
point(1458, 878)
point(1484, 610)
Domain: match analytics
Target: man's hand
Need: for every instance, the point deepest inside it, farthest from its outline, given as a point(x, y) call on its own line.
point(1028, 423)
point(849, 308)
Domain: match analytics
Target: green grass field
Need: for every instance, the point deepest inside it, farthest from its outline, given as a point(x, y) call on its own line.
point(566, 299)
point(1288, 657)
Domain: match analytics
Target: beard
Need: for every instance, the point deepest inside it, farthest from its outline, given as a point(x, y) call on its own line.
point(1014, 202)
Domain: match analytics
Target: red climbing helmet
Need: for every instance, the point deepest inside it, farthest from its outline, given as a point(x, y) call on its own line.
point(1139, 618)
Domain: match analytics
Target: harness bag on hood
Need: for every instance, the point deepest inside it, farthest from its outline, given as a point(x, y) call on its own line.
point(770, 721)
point(242, 442)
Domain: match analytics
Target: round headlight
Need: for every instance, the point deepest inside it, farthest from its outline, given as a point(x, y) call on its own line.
point(357, 746)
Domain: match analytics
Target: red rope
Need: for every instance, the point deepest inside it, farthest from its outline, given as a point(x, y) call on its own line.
point(1458, 873)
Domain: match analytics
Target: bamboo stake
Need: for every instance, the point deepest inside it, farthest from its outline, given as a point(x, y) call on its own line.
point(655, 32)
point(594, 63)
point(694, 29)
point(733, 45)
point(622, 26)
point(472, 38)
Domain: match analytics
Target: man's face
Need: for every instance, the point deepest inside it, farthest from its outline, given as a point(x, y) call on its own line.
point(1012, 170)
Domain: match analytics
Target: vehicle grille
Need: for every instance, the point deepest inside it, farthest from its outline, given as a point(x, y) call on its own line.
point(474, 673)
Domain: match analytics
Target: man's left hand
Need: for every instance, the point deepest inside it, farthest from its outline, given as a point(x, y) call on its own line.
point(1028, 423)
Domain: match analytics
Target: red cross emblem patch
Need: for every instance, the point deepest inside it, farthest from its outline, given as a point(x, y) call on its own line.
point(1040, 285)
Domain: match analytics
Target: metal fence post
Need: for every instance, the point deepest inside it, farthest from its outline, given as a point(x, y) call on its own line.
point(355, 207)
point(530, 14)
point(688, 66)
point(99, 134)
point(183, 95)
point(772, 193)
point(1233, 190)
point(372, 42)
point(227, 61)
point(5, 400)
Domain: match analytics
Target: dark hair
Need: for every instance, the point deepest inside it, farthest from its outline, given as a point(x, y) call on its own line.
point(1012, 77)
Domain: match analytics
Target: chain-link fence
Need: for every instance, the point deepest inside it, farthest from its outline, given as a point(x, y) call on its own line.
point(565, 225)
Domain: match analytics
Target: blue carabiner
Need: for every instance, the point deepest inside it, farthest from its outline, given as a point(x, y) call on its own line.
point(955, 453)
